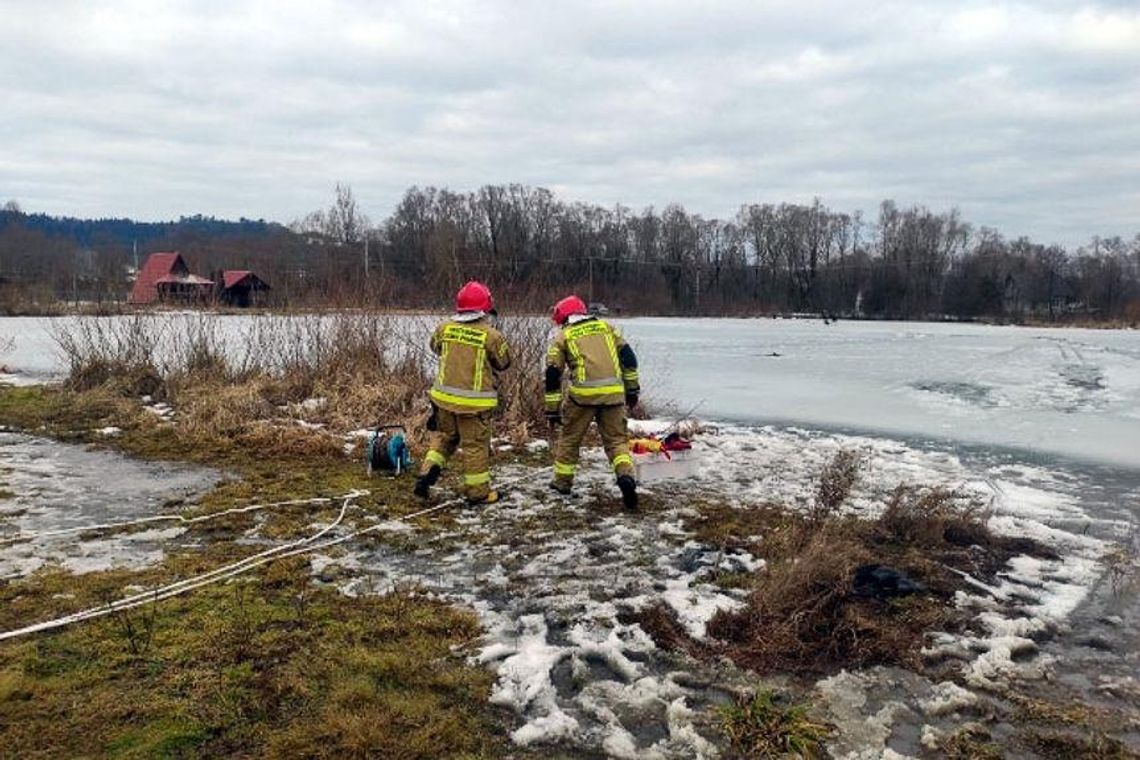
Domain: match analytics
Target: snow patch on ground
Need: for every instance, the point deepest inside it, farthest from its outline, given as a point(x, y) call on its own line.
point(696, 605)
point(947, 698)
point(556, 596)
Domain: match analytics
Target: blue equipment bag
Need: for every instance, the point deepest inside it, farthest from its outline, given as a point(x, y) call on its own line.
point(388, 452)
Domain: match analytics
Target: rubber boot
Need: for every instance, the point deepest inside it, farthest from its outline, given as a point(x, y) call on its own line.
point(628, 488)
point(490, 498)
point(563, 488)
point(426, 481)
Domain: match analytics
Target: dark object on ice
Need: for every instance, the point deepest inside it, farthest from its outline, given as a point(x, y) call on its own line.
point(882, 582)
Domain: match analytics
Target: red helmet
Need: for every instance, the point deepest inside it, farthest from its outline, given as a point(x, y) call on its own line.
point(474, 296)
point(566, 308)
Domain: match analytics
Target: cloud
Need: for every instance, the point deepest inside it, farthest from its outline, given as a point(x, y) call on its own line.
point(1021, 114)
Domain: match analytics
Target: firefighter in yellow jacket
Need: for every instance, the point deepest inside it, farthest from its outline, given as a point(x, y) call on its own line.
point(463, 395)
point(602, 382)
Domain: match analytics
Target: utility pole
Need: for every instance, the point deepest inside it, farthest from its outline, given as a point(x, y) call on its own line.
point(590, 297)
point(366, 256)
point(698, 289)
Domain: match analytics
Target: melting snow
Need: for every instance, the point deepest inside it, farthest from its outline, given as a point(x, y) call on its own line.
point(557, 582)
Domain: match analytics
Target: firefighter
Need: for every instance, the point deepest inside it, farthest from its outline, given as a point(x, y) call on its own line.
point(471, 352)
point(602, 382)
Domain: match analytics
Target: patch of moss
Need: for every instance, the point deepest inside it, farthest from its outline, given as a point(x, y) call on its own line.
point(729, 580)
point(60, 413)
point(1041, 711)
point(733, 526)
point(1071, 729)
point(972, 742)
point(167, 736)
point(23, 404)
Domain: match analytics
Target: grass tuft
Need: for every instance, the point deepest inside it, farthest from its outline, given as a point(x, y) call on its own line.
point(972, 742)
point(767, 725)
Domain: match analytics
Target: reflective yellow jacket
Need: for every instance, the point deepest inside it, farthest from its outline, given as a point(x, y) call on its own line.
point(470, 353)
point(602, 367)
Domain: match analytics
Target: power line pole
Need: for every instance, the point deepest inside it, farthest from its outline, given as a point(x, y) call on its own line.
point(590, 298)
point(698, 289)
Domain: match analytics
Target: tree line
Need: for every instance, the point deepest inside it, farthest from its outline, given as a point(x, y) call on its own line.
point(907, 262)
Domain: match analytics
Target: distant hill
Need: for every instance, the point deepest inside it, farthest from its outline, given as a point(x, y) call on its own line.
point(90, 232)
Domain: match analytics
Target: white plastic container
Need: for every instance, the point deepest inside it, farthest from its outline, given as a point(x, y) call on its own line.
point(654, 466)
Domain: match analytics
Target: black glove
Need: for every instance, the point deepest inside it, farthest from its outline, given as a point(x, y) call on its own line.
point(553, 417)
point(631, 399)
point(433, 419)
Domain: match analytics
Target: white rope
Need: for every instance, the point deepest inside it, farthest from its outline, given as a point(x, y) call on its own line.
point(188, 584)
point(291, 549)
point(27, 537)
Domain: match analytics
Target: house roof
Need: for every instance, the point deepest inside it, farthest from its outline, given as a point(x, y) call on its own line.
point(234, 277)
point(158, 265)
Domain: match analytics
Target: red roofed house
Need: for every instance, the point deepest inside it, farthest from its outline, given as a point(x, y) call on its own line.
point(166, 278)
point(240, 287)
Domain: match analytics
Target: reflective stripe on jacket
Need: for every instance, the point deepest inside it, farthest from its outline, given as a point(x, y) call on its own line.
point(470, 353)
point(589, 350)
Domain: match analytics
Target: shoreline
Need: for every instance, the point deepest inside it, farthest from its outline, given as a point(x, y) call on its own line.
point(119, 309)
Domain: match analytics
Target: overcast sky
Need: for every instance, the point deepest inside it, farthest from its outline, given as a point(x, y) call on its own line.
point(1024, 115)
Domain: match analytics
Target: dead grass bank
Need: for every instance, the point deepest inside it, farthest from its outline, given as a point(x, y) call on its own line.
point(842, 592)
point(272, 376)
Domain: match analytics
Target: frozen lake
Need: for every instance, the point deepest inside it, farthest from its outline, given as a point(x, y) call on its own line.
point(1067, 393)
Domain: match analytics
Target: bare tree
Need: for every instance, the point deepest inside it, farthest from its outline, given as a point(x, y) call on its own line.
point(344, 223)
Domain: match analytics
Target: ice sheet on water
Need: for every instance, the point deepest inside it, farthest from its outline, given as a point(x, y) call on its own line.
point(63, 486)
point(1074, 393)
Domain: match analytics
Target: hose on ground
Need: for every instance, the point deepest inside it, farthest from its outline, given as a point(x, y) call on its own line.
point(232, 570)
